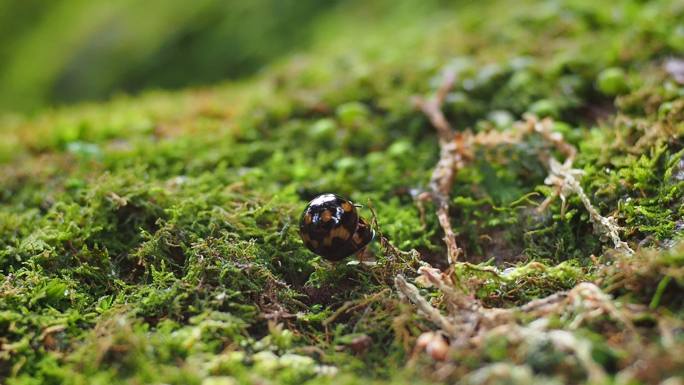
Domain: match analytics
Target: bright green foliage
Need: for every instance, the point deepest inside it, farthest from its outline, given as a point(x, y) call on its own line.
point(154, 239)
point(74, 50)
point(611, 81)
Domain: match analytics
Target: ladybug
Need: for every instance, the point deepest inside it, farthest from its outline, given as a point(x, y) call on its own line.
point(331, 228)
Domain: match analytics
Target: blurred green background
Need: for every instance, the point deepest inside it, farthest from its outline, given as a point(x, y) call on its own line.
point(60, 52)
point(63, 51)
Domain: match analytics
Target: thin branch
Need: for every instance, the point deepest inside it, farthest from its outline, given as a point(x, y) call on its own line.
point(564, 176)
point(450, 160)
point(433, 315)
point(565, 179)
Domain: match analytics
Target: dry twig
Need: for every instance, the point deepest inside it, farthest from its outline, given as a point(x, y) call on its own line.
point(433, 315)
point(450, 160)
point(468, 323)
point(565, 179)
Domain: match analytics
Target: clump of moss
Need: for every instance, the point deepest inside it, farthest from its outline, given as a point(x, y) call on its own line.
point(154, 238)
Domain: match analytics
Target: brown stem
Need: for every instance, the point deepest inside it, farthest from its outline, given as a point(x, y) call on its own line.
point(450, 160)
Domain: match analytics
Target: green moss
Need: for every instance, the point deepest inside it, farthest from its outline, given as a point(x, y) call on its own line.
point(154, 239)
point(612, 81)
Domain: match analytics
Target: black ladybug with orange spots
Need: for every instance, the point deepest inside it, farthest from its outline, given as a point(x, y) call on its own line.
point(331, 228)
